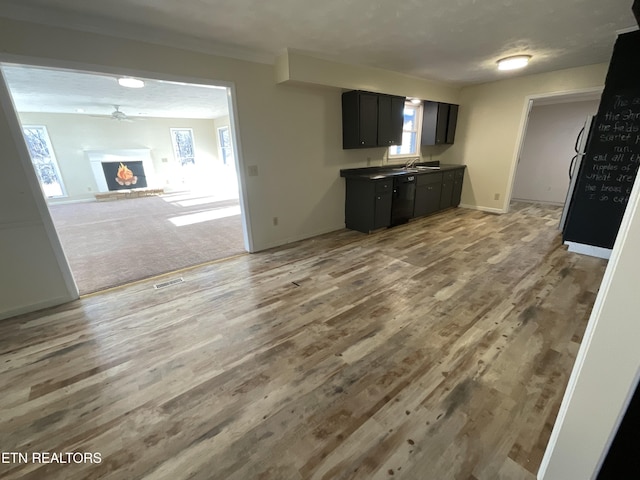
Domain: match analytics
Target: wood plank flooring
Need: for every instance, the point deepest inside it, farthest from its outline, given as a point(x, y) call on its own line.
point(435, 350)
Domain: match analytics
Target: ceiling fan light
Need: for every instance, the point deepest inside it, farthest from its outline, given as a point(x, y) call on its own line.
point(514, 62)
point(130, 82)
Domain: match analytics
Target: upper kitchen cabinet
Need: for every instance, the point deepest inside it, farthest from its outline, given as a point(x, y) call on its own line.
point(390, 119)
point(439, 123)
point(371, 119)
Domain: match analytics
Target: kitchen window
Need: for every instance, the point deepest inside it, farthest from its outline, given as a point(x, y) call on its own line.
point(410, 133)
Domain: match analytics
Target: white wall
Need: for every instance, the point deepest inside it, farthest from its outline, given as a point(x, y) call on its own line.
point(543, 167)
point(490, 122)
point(607, 366)
point(73, 134)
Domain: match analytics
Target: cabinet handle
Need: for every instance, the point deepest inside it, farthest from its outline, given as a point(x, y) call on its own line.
point(379, 198)
point(361, 143)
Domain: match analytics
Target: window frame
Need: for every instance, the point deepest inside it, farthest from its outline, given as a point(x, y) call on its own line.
point(221, 149)
point(418, 131)
point(52, 160)
point(176, 152)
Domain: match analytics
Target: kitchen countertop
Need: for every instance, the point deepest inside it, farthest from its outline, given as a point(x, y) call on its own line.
point(389, 171)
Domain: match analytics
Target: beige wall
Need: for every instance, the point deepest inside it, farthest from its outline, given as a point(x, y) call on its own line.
point(489, 126)
point(295, 67)
point(542, 173)
point(72, 135)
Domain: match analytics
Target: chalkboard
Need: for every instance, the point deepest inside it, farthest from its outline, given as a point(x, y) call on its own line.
point(612, 157)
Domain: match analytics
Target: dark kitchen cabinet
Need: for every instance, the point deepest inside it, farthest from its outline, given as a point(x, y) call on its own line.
point(371, 119)
point(370, 199)
point(439, 122)
point(446, 195)
point(390, 120)
point(458, 177)
point(368, 204)
point(428, 191)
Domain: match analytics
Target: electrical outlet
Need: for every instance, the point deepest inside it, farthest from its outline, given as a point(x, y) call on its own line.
point(496, 196)
point(275, 221)
point(164, 160)
point(252, 170)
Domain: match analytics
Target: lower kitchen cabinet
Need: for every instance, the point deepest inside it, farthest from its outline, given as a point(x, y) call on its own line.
point(457, 187)
point(369, 201)
point(368, 204)
point(446, 195)
point(451, 188)
point(428, 191)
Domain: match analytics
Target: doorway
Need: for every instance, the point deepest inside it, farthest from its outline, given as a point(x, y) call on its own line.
point(135, 178)
point(542, 174)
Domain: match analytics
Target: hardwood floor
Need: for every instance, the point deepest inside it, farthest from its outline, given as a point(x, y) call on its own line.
point(435, 350)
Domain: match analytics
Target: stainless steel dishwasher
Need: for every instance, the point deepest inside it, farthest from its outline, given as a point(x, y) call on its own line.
point(404, 192)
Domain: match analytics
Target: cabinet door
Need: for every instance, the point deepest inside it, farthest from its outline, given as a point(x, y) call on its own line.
point(451, 123)
point(397, 119)
point(429, 122)
point(457, 188)
point(434, 193)
point(428, 188)
point(368, 119)
point(390, 120)
point(384, 120)
point(382, 210)
point(441, 123)
point(447, 190)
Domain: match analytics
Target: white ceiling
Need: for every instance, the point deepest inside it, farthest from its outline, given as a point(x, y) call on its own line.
point(63, 91)
point(449, 40)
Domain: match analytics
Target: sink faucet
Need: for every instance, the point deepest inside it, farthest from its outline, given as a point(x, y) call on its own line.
point(411, 162)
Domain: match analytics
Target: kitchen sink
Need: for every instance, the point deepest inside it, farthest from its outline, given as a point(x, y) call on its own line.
point(418, 169)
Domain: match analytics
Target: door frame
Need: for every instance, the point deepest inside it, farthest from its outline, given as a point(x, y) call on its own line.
point(43, 209)
point(550, 98)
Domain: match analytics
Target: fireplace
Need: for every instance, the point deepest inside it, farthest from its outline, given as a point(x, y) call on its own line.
point(125, 169)
point(121, 176)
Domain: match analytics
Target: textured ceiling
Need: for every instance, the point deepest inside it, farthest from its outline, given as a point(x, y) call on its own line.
point(62, 91)
point(449, 40)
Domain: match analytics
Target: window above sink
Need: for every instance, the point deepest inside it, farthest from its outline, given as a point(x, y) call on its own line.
point(410, 146)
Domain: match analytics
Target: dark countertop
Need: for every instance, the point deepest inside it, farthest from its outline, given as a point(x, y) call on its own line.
point(377, 173)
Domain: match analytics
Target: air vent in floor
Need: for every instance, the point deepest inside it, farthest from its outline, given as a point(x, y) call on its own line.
point(168, 283)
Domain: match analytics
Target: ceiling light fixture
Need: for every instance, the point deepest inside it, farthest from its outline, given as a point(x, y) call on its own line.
point(130, 82)
point(514, 62)
point(416, 101)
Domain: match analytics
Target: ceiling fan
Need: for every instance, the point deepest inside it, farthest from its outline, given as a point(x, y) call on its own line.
point(119, 115)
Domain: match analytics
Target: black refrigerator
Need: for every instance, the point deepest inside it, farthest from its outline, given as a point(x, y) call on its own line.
point(612, 155)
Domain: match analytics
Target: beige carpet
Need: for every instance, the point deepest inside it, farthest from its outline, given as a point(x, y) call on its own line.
point(117, 242)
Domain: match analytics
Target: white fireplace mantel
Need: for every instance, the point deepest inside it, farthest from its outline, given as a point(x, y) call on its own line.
point(98, 157)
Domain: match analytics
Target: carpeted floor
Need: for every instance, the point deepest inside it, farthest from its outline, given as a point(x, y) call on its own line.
point(117, 242)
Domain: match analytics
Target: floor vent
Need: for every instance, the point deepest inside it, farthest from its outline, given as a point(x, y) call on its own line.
point(168, 283)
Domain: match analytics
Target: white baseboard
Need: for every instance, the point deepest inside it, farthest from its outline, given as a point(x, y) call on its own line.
point(589, 250)
point(482, 209)
point(52, 302)
point(279, 243)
